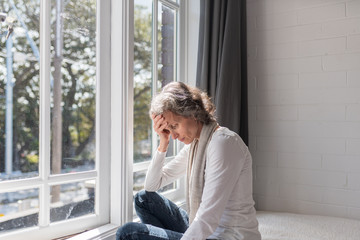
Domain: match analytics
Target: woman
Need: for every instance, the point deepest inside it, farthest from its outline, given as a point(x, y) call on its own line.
point(218, 168)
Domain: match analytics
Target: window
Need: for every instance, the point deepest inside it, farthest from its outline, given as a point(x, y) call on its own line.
point(92, 183)
point(53, 122)
point(156, 63)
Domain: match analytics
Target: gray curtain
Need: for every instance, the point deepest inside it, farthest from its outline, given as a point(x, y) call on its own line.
point(222, 61)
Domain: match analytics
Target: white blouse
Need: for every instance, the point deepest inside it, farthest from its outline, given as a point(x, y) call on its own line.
point(227, 206)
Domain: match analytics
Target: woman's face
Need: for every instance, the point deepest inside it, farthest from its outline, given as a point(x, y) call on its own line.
point(182, 128)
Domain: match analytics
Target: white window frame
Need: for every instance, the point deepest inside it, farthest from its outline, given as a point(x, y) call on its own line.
point(101, 173)
point(176, 194)
point(114, 124)
point(121, 111)
point(122, 114)
point(122, 167)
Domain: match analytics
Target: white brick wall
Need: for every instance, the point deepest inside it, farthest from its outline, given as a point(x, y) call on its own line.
point(304, 97)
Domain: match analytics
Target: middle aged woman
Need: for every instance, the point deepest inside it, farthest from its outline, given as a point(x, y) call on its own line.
point(218, 168)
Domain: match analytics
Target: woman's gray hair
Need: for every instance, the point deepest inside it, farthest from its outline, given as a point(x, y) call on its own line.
point(183, 100)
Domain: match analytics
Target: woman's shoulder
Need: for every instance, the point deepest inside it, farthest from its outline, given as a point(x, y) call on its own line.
point(224, 136)
point(223, 133)
point(228, 145)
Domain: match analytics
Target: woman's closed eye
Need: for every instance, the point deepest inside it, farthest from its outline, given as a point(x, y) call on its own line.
point(173, 127)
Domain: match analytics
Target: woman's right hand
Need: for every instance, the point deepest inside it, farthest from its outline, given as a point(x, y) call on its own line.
point(159, 126)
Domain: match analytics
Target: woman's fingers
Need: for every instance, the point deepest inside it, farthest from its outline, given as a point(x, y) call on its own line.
point(162, 126)
point(159, 124)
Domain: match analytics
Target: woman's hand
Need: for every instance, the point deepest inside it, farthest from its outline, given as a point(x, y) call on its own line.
point(159, 126)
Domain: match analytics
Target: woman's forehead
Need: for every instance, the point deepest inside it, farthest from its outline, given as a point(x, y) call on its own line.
point(172, 118)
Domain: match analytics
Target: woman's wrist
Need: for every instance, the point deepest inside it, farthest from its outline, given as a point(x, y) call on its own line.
point(163, 146)
point(161, 149)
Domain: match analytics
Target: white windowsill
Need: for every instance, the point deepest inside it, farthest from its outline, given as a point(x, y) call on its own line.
point(107, 232)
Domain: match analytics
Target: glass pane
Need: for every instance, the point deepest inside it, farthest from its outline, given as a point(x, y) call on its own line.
point(171, 148)
point(143, 72)
point(139, 178)
point(166, 52)
point(142, 79)
point(166, 45)
point(19, 89)
point(19, 209)
point(73, 39)
point(168, 187)
point(138, 181)
point(72, 200)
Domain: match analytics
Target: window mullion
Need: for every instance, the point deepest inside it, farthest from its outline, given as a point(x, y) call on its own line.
point(21, 184)
point(44, 151)
point(103, 109)
point(121, 111)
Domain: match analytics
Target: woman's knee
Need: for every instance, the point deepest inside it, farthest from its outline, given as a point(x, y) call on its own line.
point(128, 230)
point(144, 196)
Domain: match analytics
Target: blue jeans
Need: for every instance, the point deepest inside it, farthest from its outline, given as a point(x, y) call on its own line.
point(161, 219)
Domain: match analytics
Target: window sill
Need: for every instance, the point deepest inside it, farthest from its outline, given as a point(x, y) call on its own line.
point(106, 232)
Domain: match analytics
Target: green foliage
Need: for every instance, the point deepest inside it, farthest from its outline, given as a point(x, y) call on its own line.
point(32, 158)
point(142, 82)
point(78, 83)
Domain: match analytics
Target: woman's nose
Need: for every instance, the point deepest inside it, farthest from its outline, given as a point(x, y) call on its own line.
point(174, 135)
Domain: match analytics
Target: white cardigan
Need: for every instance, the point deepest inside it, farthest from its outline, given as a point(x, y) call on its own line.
point(227, 206)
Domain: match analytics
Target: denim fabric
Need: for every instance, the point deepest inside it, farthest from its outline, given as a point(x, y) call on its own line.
point(161, 219)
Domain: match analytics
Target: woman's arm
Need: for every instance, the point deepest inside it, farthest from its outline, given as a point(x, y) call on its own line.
point(224, 164)
point(159, 175)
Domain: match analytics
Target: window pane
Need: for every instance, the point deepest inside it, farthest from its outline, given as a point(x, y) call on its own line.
point(143, 70)
point(19, 209)
point(139, 178)
point(142, 79)
point(73, 84)
point(166, 45)
point(168, 187)
point(144, 62)
point(167, 52)
point(19, 90)
point(72, 200)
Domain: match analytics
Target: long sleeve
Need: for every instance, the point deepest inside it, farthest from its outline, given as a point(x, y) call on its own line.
point(226, 157)
point(159, 175)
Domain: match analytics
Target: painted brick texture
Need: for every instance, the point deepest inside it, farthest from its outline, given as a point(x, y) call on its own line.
point(304, 105)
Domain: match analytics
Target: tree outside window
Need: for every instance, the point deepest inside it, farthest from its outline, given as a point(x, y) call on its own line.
point(155, 65)
point(73, 95)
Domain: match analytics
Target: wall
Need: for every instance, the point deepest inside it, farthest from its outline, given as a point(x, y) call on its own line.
point(304, 95)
